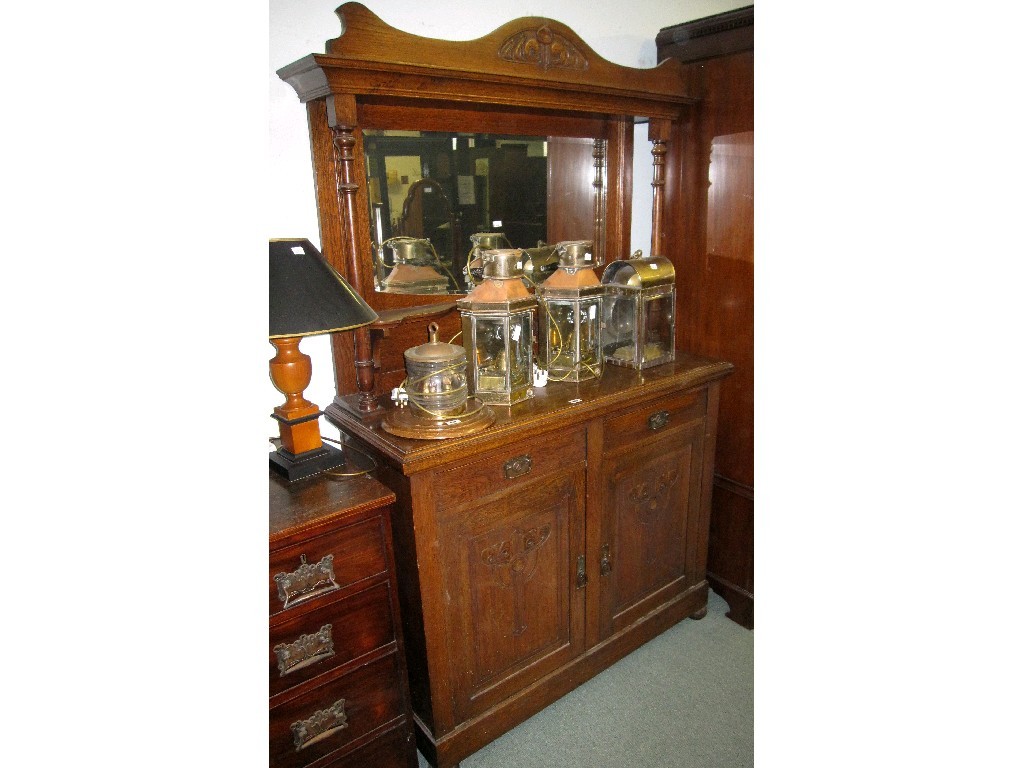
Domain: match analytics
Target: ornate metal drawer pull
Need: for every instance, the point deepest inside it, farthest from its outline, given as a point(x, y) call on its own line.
point(307, 650)
point(581, 572)
point(322, 724)
point(657, 420)
point(518, 466)
point(307, 581)
point(606, 560)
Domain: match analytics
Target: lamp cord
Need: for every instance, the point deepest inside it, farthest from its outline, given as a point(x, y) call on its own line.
point(349, 446)
point(276, 441)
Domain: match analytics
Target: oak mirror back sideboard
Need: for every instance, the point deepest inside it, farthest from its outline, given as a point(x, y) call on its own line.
point(535, 553)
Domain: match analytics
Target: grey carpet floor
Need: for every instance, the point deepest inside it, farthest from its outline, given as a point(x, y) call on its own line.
point(683, 700)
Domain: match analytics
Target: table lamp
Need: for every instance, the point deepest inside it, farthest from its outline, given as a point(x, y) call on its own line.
point(307, 297)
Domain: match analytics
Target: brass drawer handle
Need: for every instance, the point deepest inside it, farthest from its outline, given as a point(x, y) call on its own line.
point(518, 466)
point(307, 650)
point(307, 581)
point(657, 420)
point(322, 724)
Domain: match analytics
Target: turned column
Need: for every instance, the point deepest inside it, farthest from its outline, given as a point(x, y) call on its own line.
point(658, 132)
point(344, 141)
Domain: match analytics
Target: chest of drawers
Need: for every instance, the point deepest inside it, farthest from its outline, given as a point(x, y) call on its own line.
point(338, 686)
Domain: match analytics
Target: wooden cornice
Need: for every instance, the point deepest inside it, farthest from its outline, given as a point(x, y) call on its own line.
point(530, 62)
point(718, 35)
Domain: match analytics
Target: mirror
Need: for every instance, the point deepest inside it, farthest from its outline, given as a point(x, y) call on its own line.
point(435, 196)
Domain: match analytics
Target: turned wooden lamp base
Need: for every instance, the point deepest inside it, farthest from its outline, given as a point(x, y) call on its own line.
point(302, 452)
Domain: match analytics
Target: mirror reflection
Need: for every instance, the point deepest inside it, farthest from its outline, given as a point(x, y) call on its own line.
point(437, 198)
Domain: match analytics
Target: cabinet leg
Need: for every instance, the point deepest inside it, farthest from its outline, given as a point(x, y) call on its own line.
point(699, 614)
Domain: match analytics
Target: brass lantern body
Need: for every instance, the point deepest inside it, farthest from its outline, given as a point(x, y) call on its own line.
point(539, 263)
point(482, 241)
point(571, 315)
point(497, 330)
point(639, 312)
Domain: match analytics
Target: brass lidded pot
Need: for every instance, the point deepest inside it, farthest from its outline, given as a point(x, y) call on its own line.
point(436, 378)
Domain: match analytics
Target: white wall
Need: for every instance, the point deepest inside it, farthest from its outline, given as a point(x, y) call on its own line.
point(621, 33)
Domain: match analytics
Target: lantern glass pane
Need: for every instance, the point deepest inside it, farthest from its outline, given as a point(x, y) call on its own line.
point(492, 354)
point(521, 350)
point(620, 329)
point(589, 336)
point(659, 327)
point(560, 343)
point(571, 341)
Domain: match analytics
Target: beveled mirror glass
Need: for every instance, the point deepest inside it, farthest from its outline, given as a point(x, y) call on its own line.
point(432, 194)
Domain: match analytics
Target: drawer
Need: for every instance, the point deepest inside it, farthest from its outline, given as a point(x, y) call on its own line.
point(517, 464)
point(653, 417)
point(319, 641)
point(335, 714)
point(306, 573)
point(393, 749)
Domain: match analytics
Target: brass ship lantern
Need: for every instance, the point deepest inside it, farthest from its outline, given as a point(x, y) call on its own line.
point(482, 241)
point(416, 267)
point(497, 330)
point(570, 315)
point(639, 312)
point(434, 401)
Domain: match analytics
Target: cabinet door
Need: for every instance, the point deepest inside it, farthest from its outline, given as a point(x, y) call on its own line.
point(651, 497)
point(509, 565)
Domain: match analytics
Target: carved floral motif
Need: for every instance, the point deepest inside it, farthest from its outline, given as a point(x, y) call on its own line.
point(513, 562)
point(650, 497)
point(543, 47)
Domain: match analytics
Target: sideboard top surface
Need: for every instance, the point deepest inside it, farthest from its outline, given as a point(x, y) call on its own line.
point(558, 405)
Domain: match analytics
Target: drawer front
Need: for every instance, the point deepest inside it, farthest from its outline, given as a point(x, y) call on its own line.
point(653, 417)
point(321, 640)
point(326, 719)
point(517, 464)
point(308, 573)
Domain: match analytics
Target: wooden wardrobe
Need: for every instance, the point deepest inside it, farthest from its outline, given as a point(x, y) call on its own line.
point(710, 211)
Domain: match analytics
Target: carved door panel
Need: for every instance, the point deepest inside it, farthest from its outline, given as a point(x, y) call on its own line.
point(510, 573)
point(651, 510)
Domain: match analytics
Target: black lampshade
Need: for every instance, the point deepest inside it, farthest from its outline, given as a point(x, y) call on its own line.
point(307, 295)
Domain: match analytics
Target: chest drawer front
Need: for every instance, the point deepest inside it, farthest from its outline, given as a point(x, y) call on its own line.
point(317, 642)
point(652, 418)
point(517, 464)
point(312, 726)
point(307, 573)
